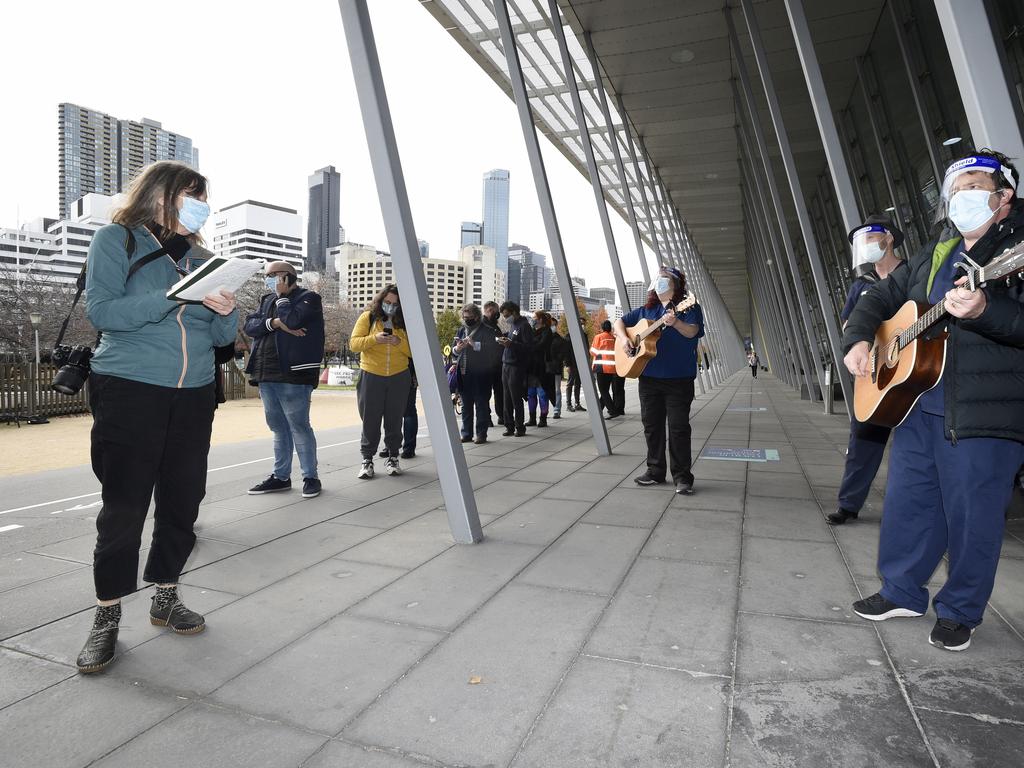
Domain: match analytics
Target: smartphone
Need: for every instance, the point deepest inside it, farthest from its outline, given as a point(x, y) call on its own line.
point(388, 331)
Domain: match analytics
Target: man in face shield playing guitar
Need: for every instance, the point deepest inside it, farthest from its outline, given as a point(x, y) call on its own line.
point(666, 381)
point(956, 450)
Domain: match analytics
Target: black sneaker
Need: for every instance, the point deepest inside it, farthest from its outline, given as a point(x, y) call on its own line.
point(508, 433)
point(384, 454)
point(176, 617)
point(682, 487)
point(647, 479)
point(877, 608)
point(310, 487)
point(271, 485)
point(951, 636)
point(408, 454)
point(840, 516)
point(580, 408)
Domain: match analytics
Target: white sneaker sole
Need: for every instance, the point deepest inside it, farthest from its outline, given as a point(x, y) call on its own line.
point(393, 471)
point(962, 647)
point(895, 613)
point(365, 475)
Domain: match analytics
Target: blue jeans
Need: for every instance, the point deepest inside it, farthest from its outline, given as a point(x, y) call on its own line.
point(286, 407)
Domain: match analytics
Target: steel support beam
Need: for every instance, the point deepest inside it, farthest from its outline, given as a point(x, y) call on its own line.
point(580, 343)
point(631, 146)
point(452, 471)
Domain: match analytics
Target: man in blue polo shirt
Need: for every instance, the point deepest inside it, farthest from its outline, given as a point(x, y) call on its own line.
point(666, 384)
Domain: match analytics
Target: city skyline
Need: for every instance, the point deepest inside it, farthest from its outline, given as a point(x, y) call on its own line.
point(270, 160)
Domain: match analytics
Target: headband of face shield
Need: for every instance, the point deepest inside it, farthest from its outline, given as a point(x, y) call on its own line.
point(870, 244)
point(974, 164)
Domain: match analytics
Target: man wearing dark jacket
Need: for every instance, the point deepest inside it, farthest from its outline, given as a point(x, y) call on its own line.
point(954, 457)
point(288, 347)
point(517, 340)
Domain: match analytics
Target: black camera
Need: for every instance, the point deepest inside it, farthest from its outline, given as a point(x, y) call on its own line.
point(73, 368)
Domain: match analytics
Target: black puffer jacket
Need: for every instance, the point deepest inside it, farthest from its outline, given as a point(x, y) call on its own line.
point(984, 372)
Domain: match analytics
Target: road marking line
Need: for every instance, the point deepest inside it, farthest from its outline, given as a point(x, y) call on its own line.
point(10, 528)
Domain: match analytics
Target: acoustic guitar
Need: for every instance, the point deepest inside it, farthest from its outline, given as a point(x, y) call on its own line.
point(903, 366)
point(643, 340)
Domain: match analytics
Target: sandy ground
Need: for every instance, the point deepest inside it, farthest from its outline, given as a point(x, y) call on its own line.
point(64, 442)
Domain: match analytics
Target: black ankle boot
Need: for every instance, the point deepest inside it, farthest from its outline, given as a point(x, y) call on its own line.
point(168, 611)
point(840, 516)
point(543, 420)
point(533, 421)
point(98, 650)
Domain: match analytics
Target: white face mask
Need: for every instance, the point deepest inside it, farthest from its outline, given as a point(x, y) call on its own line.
point(660, 285)
point(872, 253)
point(969, 209)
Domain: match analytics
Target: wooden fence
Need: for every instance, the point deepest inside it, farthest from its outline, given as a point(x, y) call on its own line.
point(25, 392)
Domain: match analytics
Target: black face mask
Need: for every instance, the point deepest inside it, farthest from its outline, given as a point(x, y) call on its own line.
point(469, 321)
point(491, 319)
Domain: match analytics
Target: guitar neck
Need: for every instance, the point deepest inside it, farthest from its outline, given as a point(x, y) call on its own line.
point(660, 322)
point(934, 314)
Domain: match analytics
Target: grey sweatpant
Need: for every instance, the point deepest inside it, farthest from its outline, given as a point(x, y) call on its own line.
point(382, 398)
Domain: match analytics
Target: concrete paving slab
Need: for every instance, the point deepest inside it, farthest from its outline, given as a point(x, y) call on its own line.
point(408, 545)
point(582, 486)
point(26, 567)
point(777, 649)
point(708, 469)
point(966, 741)
point(785, 519)
point(255, 568)
point(57, 728)
point(330, 675)
point(216, 737)
point(444, 592)
point(504, 495)
point(266, 526)
point(701, 535)
point(537, 522)
point(795, 578)
point(25, 608)
point(549, 470)
point(712, 494)
point(393, 510)
point(854, 721)
point(627, 715)
point(36, 533)
point(588, 558)
point(336, 754)
point(240, 635)
point(630, 506)
point(435, 706)
point(25, 675)
point(673, 614)
point(779, 485)
point(61, 640)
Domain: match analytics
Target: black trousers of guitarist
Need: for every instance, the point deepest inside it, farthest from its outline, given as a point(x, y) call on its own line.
point(667, 401)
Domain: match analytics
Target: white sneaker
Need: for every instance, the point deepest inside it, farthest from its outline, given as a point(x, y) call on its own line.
point(366, 472)
point(391, 466)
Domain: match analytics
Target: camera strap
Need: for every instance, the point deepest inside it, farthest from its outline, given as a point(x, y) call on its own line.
point(175, 248)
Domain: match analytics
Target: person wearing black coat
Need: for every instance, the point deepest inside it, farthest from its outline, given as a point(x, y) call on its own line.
point(954, 458)
point(517, 341)
point(541, 379)
point(477, 355)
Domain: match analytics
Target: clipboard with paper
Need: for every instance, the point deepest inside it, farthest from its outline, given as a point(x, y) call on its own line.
point(215, 274)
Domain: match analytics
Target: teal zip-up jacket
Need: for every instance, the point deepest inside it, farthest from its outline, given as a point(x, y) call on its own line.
point(146, 336)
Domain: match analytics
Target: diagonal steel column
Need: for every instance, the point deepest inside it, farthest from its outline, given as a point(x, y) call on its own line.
point(823, 113)
point(588, 148)
point(783, 249)
point(641, 185)
point(694, 266)
point(452, 471)
point(580, 343)
point(799, 203)
point(613, 140)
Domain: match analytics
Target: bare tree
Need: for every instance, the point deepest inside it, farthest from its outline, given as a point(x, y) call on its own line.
point(35, 291)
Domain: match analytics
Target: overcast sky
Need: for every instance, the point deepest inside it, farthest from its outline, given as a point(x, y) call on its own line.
point(265, 91)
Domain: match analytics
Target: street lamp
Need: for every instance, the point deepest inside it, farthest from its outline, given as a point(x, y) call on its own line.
point(36, 319)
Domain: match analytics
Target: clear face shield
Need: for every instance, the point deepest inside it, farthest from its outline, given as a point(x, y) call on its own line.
point(968, 189)
point(870, 244)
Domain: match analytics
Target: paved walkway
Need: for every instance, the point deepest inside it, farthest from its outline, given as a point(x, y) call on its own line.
point(599, 624)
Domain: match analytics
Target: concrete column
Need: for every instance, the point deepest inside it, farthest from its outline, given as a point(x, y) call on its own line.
point(581, 345)
point(452, 471)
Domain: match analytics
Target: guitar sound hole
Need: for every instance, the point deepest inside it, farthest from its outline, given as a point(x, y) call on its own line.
point(892, 353)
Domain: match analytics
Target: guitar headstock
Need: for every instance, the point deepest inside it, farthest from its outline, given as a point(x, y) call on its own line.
point(1009, 262)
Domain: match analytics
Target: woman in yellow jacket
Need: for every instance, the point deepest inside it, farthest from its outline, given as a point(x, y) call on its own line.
point(380, 339)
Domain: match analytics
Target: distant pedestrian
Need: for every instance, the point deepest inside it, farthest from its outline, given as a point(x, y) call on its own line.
point(573, 383)
point(541, 378)
point(288, 348)
point(382, 394)
point(611, 386)
point(754, 362)
point(477, 355)
point(560, 351)
point(517, 340)
point(490, 318)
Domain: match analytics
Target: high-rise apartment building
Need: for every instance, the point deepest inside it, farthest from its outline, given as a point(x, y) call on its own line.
point(102, 154)
point(607, 295)
point(495, 215)
point(254, 230)
point(532, 272)
point(636, 292)
point(469, 233)
point(323, 225)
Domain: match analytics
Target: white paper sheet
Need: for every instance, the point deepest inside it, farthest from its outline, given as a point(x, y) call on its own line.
point(215, 275)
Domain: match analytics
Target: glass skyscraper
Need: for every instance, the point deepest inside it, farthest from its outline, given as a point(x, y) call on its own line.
point(100, 153)
point(495, 224)
point(323, 224)
point(469, 234)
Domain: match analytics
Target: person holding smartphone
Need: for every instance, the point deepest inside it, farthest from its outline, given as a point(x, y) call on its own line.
point(477, 355)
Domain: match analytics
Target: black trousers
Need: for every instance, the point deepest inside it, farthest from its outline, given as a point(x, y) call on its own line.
point(753, 371)
point(513, 383)
point(148, 442)
point(668, 400)
point(499, 393)
point(572, 385)
point(612, 389)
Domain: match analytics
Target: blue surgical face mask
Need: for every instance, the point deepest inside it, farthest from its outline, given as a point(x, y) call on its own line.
point(969, 209)
point(388, 309)
point(271, 283)
point(661, 285)
point(193, 213)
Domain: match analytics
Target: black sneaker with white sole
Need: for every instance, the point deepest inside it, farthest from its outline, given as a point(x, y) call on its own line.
point(877, 608)
point(271, 485)
point(951, 635)
point(310, 487)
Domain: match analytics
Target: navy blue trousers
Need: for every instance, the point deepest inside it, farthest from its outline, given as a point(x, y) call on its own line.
point(863, 458)
point(943, 498)
point(410, 423)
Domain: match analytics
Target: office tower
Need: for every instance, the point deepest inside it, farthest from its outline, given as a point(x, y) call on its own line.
point(607, 295)
point(254, 230)
point(514, 279)
point(102, 154)
point(484, 282)
point(323, 225)
point(636, 292)
point(424, 249)
point(495, 215)
point(469, 233)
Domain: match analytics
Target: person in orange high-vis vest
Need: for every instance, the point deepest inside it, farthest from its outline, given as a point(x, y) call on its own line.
point(603, 353)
